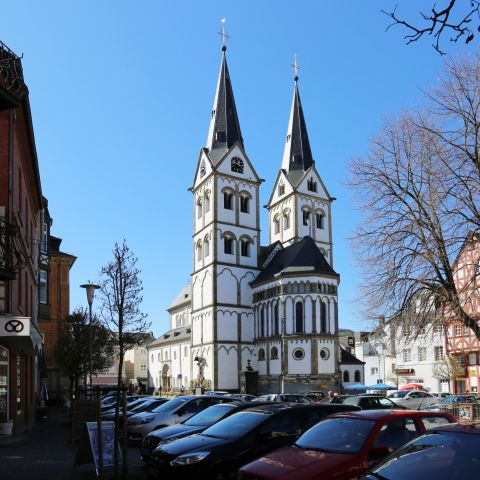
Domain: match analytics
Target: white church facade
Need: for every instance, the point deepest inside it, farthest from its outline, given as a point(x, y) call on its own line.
point(272, 308)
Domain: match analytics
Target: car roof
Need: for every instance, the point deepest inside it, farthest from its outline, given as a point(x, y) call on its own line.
point(467, 427)
point(276, 407)
point(381, 413)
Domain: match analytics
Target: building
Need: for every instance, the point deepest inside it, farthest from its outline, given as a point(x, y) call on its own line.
point(351, 368)
point(272, 307)
point(462, 346)
point(20, 210)
point(54, 301)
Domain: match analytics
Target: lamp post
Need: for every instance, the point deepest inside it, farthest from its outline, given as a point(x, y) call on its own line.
point(90, 289)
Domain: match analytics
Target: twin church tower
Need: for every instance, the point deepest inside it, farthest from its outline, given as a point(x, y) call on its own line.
point(272, 307)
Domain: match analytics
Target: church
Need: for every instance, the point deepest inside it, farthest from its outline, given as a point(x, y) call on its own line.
point(270, 308)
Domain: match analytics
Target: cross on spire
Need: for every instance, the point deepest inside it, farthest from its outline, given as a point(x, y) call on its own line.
point(295, 67)
point(223, 33)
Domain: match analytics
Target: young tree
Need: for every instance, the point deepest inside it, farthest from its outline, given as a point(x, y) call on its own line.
point(73, 347)
point(121, 289)
point(419, 190)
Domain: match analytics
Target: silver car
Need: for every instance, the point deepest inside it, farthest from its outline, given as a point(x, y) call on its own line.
point(172, 412)
point(413, 399)
point(283, 397)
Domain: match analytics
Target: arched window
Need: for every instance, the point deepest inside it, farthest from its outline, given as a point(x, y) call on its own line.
point(346, 376)
point(357, 376)
point(228, 200)
point(312, 185)
point(306, 216)
point(319, 222)
point(244, 203)
point(199, 207)
point(228, 245)
point(276, 224)
point(261, 355)
point(199, 251)
point(299, 317)
point(274, 353)
point(206, 247)
point(245, 247)
point(286, 220)
point(281, 189)
point(276, 322)
point(323, 317)
point(174, 355)
point(207, 201)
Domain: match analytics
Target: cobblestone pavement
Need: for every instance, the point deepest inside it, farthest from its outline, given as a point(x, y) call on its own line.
point(44, 454)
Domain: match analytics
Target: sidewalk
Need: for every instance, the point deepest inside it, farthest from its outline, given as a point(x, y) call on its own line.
point(44, 454)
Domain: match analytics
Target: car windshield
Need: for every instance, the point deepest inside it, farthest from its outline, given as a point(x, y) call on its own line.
point(337, 435)
point(400, 394)
point(236, 425)
point(351, 401)
point(170, 405)
point(439, 455)
point(209, 416)
point(137, 404)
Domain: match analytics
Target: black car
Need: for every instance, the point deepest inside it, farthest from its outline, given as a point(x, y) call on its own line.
point(196, 424)
point(371, 402)
point(220, 450)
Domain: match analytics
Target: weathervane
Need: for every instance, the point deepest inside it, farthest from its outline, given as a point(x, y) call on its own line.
point(224, 35)
point(295, 66)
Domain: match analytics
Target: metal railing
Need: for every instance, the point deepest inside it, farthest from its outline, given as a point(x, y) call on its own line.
point(11, 256)
point(11, 72)
point(463, 412)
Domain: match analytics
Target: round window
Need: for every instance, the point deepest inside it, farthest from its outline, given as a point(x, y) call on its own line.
point(324, 353)
point(298, 353)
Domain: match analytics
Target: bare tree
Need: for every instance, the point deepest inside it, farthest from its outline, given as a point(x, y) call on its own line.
point(447, 369)
point(419, 190)
point(461, 19)
point(73, 347)
point(121, 289)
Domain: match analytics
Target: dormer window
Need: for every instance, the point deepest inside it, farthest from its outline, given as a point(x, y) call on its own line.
point(312, 185)
point(237, 165)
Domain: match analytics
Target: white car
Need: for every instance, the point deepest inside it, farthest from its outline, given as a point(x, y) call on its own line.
point(413, 399)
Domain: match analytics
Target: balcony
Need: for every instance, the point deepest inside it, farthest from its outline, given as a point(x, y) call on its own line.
point(12, 86)
point(12, 258)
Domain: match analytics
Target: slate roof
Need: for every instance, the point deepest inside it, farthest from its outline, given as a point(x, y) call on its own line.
point(174, 335)
point(185, 296)
point(303, 257)
point(297, 156)
point(224, 127)
point(346, 358)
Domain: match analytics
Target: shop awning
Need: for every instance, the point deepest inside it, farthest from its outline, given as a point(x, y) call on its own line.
point(20, 333)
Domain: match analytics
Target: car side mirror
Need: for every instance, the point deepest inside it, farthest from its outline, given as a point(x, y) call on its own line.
point(379, 452)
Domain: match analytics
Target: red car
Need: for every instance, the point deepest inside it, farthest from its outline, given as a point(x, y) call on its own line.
point(344, 446)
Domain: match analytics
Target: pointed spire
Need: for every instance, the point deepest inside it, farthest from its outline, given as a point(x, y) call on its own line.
point(224, 126)
point(297, 154)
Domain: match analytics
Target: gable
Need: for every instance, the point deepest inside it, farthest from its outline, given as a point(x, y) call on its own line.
point(282, 179)
point(240, 162)
point(203, 170)
point(312, 175)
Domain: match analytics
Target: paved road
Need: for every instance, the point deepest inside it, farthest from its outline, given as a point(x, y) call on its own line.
point(44, 454)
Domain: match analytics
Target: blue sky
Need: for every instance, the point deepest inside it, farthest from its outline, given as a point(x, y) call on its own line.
point(121, 94)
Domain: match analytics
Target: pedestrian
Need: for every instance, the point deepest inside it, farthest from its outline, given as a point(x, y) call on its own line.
point(330, 396)
point(336, 398)
point(182, 389)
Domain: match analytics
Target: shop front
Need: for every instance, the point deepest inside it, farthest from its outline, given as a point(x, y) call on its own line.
point(20, 344)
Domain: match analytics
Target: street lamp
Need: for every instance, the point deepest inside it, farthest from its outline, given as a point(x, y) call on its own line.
point(90, 289)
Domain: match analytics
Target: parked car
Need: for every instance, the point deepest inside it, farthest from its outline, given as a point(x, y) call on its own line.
point(174, 411)
point(284, 398)
point(216, 393)
point(444, 453)
point(221, 449)
point(315, 396)
point(371, 402)
point(145, 405)
point(342, 446)
point(109, 402)
point(196, 424)
point(241, 397)
point(451, 401)
point(413, 399)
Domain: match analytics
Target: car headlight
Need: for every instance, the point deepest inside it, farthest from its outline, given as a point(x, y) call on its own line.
point(140, 421)
point(189, 458)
